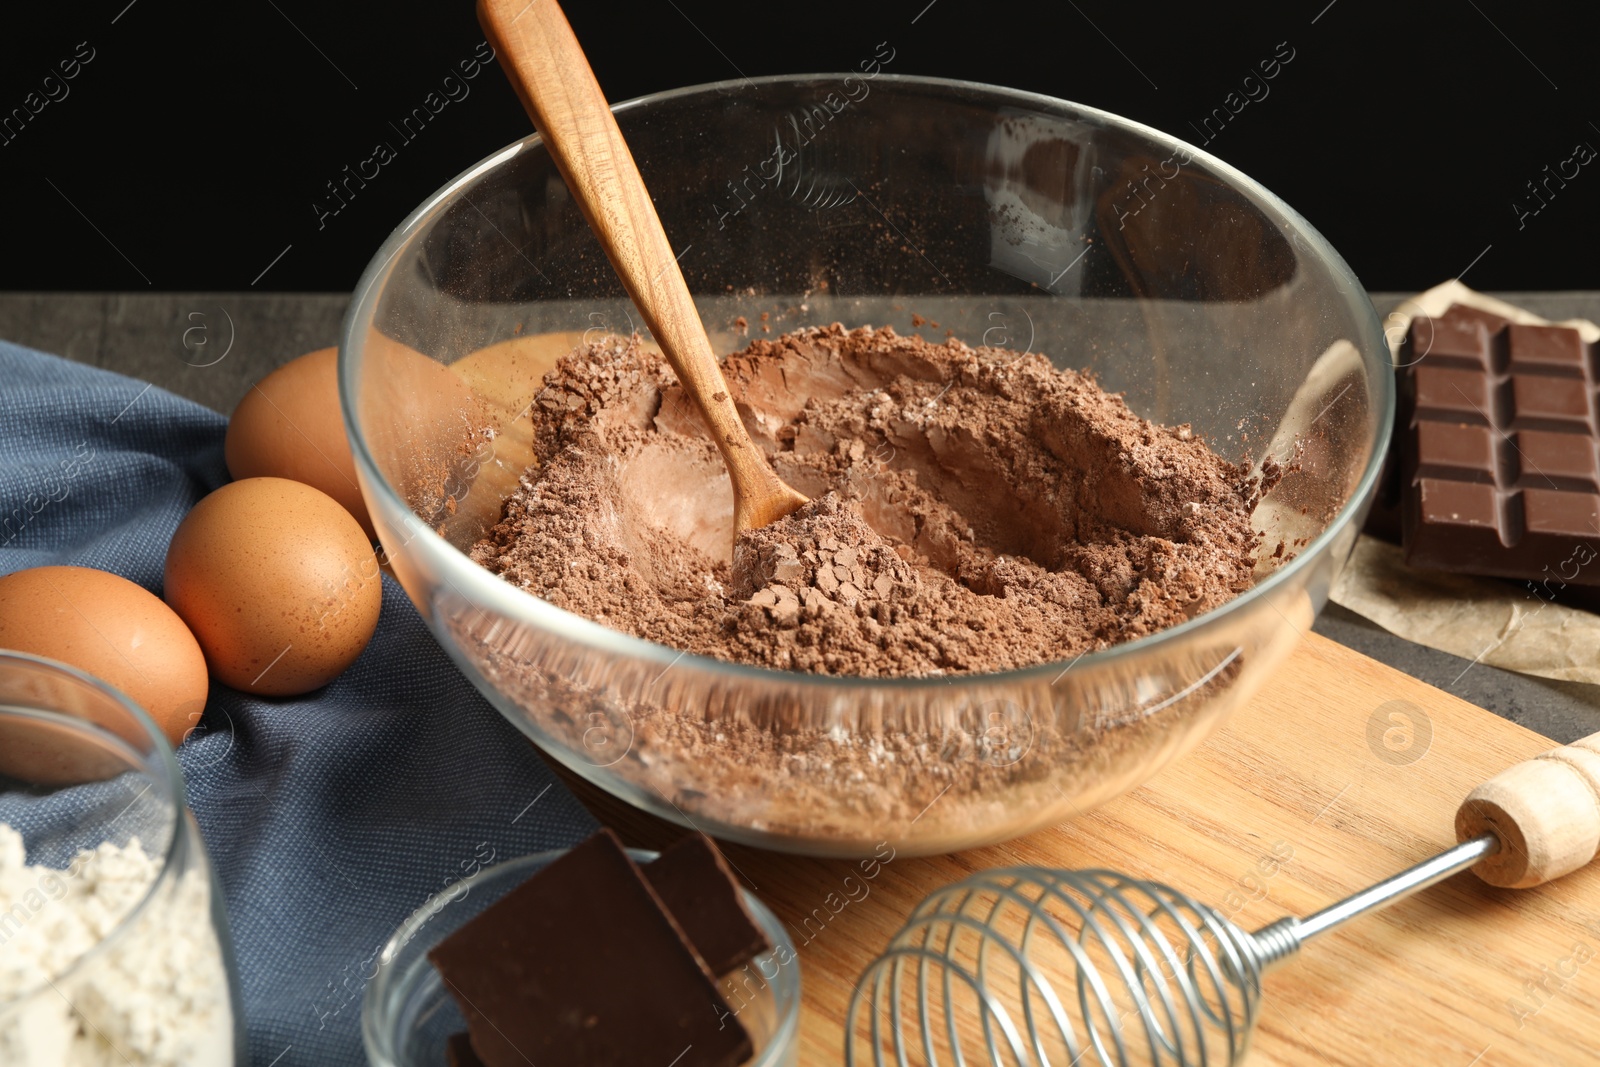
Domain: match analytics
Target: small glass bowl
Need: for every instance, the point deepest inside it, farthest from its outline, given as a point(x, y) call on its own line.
point(407, 1017)
point(82, 766)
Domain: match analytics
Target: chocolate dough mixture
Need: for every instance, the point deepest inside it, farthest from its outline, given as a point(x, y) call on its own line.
point(971, 510)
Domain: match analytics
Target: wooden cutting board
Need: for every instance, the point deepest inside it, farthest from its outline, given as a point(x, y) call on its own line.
point(1339, 773)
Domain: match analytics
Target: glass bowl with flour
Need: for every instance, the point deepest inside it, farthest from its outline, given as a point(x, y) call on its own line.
point(114, 948)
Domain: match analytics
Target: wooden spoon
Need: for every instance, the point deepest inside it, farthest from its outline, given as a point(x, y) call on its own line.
point(548, 69)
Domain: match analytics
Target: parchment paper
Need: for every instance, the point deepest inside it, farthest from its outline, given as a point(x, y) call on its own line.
point(1500, 623)
point(1477, 618)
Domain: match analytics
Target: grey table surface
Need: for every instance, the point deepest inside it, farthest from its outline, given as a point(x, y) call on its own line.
point(210, 347)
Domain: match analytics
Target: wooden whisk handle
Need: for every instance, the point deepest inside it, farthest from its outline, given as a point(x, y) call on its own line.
point(1545, 811)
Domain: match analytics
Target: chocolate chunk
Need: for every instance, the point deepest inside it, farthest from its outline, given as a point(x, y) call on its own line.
point(1546, 511)
point(1566, 460)
point(1452, 450)
point(1541, 401)
point(1467, 313)
point(581, 965)
point(1461, 337)
point(1452, 393)
point(693, 881)
point(1446, 338)
point(1461, 504)
point(1548, 350)
point(459, 1052)
point(1498, 432)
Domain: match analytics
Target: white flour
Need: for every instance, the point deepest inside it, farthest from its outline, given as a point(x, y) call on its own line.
point(158, 997)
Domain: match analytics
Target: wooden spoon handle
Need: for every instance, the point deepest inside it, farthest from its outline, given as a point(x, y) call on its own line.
point(551, 74)
point(1546, 812)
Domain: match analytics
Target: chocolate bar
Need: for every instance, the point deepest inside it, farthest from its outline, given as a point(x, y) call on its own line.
point(580, 965)
point(693, 881)
point(1500, 472)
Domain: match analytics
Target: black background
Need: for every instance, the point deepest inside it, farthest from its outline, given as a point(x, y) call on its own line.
point(188, 153)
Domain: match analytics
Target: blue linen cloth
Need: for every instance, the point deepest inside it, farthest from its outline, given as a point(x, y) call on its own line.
point(328, 817)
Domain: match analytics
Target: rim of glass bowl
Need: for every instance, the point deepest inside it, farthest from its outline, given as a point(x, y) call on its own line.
point(378, 1042)
point(480, 586)
point(165, 764)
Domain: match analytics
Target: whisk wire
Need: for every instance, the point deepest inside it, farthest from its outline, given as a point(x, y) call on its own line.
point(1135, 948)
point(987, 1018)
point(1039, 981)
point(990, 1003)
point(952, 924)
point(1133, 976)
point(1141, 933)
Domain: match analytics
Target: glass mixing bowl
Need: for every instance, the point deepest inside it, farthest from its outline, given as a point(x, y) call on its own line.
point(1009, 219)
point(92, 794)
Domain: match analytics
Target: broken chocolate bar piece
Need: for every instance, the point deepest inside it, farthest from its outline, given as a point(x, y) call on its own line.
point(459, 1052)
point(693, 881)
point(1499, 433)
point(580, 965)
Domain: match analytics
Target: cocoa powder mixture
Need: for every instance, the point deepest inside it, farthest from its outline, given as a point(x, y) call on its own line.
point(972, 511)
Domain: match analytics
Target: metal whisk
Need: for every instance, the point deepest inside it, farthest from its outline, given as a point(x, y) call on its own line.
point(1027, 965)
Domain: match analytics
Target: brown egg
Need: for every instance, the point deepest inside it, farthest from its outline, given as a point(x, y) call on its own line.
point(277, 581)
point(109, 627)
point(288, 426)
